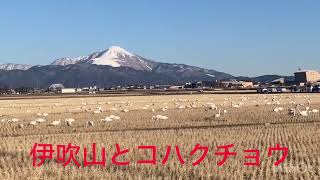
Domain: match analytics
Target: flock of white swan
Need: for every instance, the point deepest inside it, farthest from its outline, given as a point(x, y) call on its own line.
point(301, 108)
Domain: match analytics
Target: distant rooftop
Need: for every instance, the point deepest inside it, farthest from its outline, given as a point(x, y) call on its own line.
point(305, 71)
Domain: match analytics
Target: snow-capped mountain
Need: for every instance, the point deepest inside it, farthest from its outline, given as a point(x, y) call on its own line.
point(114, 56)
point(119, 57)
point(113, 66)
point(11, 66)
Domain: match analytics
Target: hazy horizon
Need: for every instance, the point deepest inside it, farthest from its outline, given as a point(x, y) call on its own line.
point(246, 38)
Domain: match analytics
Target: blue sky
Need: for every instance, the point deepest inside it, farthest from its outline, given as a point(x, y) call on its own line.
point(238, 37)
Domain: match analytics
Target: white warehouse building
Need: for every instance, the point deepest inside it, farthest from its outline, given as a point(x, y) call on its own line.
point(68, 90)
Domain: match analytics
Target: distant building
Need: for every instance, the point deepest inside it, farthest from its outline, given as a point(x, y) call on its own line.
point(246, 84)
point(175, 87)
point(200, 84)
point(205, 84)
point(306, 76)
point(279, 81)
point(68, 90)
point(38, 91)
point(162, 86)
point(56, 87)
point(234, 84)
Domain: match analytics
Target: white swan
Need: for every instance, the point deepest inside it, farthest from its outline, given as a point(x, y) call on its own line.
point(302, 113)
point(55, 123)
point(218, 115)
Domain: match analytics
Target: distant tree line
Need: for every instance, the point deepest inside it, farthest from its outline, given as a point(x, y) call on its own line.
point(21, 90)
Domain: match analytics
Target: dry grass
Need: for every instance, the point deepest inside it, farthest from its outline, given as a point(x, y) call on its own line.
point(246, 127)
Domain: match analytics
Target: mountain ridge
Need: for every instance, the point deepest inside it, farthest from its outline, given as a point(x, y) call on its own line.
point(13, 66)
point(114, 66)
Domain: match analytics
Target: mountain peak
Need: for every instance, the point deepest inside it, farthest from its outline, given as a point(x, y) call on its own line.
point(118, 52)
point(112, 56)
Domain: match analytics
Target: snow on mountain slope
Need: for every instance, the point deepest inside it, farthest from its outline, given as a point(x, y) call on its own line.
point(119, 57)
point(110, 57)
point(11, 66)
point(211, 75)
point(67, 61)
point(114, 56)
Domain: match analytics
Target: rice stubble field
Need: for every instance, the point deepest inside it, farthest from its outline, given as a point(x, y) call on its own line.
point(255, 121)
